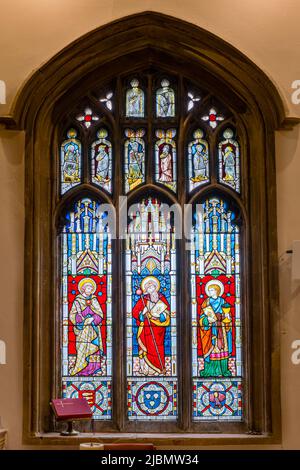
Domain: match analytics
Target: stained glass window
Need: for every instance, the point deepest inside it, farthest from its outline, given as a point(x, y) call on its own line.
point(87, 118)
point(165, 161)
point(192, 99)
point(70, 161)
point(134, 158)
point(135, 100)
point(151, 313)
point(107, 100)
point(101, 161)
point(165, 100)
point(213, 118)
point(138, 154)
point(86, 289)
point(216, 313)
point(229, 160)
point(198, 160)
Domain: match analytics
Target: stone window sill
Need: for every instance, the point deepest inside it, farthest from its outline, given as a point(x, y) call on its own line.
point(158, 439)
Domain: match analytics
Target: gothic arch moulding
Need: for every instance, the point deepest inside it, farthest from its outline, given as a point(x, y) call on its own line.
point(130, 44)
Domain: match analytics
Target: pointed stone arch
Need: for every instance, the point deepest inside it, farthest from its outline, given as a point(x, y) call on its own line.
point(130, 44)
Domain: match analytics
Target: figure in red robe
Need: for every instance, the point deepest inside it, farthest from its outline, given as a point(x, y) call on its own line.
point(166, 165)
point(152, 314)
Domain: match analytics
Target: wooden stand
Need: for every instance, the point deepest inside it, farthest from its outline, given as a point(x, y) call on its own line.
point(70, 410)
point(70, 430)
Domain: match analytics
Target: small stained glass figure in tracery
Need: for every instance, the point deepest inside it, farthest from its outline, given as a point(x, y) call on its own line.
point(103, 164)
point(101, 161)
point(70, 161)
point(229, 164)
point(165, 100)
point(166, 172)
point(229, 160)
point(198, 160)
point(70, 167)
point(165, 152)
point(135, 100)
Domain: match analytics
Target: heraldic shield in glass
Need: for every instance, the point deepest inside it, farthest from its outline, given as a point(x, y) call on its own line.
point(151, 313)
point(86, 307)
point(216, 314)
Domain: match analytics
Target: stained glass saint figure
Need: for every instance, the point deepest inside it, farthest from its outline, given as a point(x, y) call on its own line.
point(215, 332)
point(86, 306)
point(165, 100)
point(151, 333)
point(134, 159)
point(198, 160)
point(165, 149)
point(166, 171)
point(135, 98)
point(216, 312)
point(102, 161)
point(229, 160)
point(229, 164)
point(70, 161)
point(86, 315)
point(152, 314)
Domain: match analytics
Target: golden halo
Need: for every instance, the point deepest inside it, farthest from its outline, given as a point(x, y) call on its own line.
point(216, 283)
point(87, 280)
point(150, 278)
